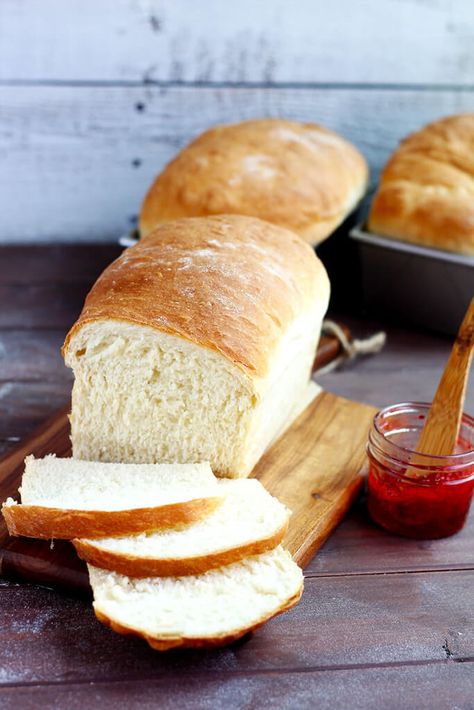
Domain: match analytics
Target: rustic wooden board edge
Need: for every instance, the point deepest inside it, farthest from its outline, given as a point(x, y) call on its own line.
point(41, 567)
point(320, 533)
point(37, 443)
point(55, 567)
point(286, 469)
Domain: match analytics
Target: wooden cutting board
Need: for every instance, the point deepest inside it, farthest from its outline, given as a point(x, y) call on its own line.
point(316, 468)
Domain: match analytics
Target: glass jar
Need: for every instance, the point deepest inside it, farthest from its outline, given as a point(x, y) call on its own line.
point(413, 494)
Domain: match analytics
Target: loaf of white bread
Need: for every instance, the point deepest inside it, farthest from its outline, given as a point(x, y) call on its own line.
point(196, 345)
point(198, 582)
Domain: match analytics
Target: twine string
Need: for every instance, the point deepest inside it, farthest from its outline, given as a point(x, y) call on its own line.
point(351, 348)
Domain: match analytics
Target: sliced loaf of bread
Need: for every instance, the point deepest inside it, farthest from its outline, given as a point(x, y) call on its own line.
point(211, 609)
point(195, 344)
point(68, 498)
point(250, 521)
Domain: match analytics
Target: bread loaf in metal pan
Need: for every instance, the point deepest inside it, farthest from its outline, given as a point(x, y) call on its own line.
point(426, 191)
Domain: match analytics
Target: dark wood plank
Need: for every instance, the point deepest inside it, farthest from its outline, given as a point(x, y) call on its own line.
point(25, 405)
point(66, 263)
point(51, 305)
point(424, 687)
point(32, 355)
point(7, 444)
point(407, 369)
point(314, 478)
point(40, 562)
point(341, 621)
point(358, 546)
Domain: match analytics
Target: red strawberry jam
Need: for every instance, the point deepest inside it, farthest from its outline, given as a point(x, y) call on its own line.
point(424, 496)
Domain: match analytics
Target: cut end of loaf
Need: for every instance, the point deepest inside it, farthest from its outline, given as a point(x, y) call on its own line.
point(144, 396)
point(166, 399)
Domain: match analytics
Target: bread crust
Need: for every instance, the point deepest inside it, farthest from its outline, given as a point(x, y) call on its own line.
point(300, 176)
point(166, 644)
point(426, 191)
point(56, 523)
point(133, 566)
point(232, 284)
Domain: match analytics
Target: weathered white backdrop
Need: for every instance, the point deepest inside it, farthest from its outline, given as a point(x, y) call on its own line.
point(96, 95)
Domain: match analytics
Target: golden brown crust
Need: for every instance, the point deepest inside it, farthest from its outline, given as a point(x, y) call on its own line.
point(56, 523)
point(133, 566)
point(300, 176)
point(182, 642)
point(426, 191)
point(232, 284)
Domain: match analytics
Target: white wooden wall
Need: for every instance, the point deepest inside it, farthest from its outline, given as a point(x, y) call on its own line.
point(96, 95)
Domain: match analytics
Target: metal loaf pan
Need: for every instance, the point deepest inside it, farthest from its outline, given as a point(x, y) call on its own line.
point(417, 285)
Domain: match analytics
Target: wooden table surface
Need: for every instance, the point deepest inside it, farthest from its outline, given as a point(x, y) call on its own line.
point(383, 623)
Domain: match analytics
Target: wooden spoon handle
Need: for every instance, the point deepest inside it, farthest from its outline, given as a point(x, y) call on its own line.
point(329, 348)
point(441, 429)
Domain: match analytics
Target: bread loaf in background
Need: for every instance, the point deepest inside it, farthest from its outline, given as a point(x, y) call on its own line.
point(196, 345)
point(297, 175)
point(426, 191)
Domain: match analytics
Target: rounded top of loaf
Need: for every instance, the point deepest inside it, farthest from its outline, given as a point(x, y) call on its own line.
point(297, 175)
point(230, 283)
point(426, 192)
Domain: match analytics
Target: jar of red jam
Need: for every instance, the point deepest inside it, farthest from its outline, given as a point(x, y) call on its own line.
point(417, 495)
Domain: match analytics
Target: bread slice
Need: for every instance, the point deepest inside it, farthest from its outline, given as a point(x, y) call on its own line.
point(250, 521)
point(211, 609)
point(67, 498)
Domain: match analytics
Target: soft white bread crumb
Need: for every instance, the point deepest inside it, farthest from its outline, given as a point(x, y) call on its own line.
point(167, 399)
point(249, 521)
point(88, 485)
point(204, 610)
